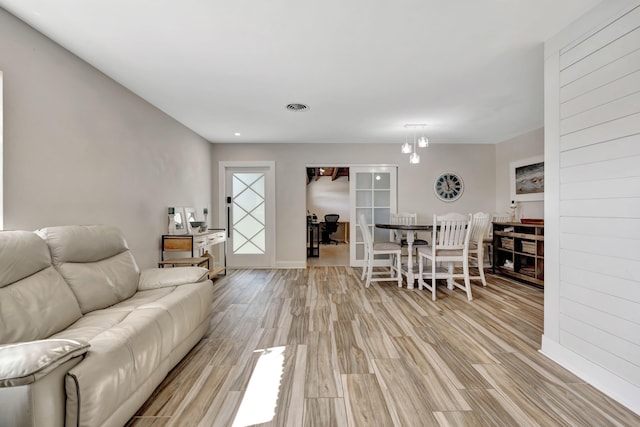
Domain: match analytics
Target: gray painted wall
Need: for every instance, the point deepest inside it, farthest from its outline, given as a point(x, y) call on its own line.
point(475, 163)
point(81, 149)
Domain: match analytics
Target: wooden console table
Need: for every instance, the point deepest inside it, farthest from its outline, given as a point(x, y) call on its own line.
point(196, 245)
point(518, 251)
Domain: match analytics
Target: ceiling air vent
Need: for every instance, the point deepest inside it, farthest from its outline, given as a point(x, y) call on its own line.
point(297, 107)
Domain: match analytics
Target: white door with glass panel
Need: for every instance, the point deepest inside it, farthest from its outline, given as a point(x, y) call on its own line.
point(372, 192)
point(249, 210)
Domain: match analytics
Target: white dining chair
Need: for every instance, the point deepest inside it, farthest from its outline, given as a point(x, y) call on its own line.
point(488, 240)
point(407, 218)
point(449, 245)
point(480, 222)
point(371, 249)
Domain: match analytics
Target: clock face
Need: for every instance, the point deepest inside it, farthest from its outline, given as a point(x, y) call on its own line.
point(448, 186)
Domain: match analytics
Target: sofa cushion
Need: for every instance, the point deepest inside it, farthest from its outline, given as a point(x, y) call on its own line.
point(35, 301)
point(22, 254)
point(153, 278)
point(131, 342)
point(95, 261)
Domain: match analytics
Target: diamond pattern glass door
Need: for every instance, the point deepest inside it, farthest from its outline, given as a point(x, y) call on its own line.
point(248, 213)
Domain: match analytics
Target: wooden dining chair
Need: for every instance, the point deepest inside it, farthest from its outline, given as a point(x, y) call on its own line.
point(371, 249)
point(478, 230)
point(407, 218)
point(449, 245)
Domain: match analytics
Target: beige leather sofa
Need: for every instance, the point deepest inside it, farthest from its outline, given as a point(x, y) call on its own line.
point(85, 336)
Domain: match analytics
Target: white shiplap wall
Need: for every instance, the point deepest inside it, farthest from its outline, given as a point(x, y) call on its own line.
point(595, 140)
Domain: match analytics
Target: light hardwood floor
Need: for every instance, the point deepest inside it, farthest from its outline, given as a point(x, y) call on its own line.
point(318, 349)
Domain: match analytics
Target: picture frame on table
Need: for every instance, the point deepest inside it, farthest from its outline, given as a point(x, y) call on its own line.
point(527, 179)
point(179, 222)
point(189, 215)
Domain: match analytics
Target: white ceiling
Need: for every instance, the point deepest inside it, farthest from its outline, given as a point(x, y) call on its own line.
point(471, 69)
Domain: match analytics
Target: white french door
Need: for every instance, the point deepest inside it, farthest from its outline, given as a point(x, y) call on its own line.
point(249, 210)
point(372, 192)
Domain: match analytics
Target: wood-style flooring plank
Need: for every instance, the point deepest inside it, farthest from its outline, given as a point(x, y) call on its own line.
point(364, 401)
point(346, 355)
point(323, 412)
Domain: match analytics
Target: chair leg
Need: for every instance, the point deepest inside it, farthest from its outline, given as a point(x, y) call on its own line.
point(467, 280)
point(399, 268)
point(433, 279)
point(365, 265)
point(420, 272)
point(450, 280)
point(481, 265)
point(369, 270)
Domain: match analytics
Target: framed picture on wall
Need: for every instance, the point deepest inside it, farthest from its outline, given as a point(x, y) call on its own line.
point(527, 179)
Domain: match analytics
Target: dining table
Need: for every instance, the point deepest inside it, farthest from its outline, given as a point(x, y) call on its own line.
point(411, 230)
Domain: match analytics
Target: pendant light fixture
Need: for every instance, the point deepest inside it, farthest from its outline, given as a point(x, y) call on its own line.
point(421, 142)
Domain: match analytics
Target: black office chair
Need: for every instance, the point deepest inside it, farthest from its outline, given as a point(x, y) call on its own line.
point(329, 227)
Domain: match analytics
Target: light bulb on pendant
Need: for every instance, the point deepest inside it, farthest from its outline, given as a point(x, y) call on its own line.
point(406, 148)
point(414, 158)
point(423, 142)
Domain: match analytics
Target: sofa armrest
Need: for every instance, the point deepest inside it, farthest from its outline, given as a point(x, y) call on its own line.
point(26, 362)
point(154, 278)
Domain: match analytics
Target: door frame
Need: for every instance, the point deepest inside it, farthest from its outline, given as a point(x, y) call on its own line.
point(352, 213)
point(393, 206)
point(270, 197)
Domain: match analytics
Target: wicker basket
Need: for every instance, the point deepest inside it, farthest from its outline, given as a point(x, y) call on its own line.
point(507, 243)
point(529, 247)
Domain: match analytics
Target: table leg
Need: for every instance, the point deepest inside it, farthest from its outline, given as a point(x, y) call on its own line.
point(410, 277)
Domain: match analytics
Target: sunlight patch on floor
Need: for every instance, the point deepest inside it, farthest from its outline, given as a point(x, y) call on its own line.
point(261, 397)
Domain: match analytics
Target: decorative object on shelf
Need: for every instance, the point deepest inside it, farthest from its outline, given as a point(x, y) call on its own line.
point(198, 226)
point(179, 222)
point(172, 225)
point(514, 211)
point(448, 186)
point(535, 221)
point(527, 179)
point(418, 141)
point(205, 212)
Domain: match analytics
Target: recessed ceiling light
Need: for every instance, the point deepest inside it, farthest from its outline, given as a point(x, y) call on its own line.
point(297, 107)
point(237, 134)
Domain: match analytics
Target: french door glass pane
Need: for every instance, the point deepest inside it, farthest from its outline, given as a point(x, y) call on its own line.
point(382, 181)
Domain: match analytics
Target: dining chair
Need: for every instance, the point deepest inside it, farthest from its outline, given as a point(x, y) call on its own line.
point(371, 249)
point(449, 245)
point(400, 236)
point(488, 240)
point(480, 222)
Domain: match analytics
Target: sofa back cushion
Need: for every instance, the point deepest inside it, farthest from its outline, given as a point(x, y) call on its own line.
point(35, 301)
point(95, 261)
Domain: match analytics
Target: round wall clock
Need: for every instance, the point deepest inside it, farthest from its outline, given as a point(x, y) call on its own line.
point(448, 186)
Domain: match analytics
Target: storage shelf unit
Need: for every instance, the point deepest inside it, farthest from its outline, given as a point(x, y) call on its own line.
point(519, 251)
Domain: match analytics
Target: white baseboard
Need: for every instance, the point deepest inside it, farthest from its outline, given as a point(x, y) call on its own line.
point(612, 385)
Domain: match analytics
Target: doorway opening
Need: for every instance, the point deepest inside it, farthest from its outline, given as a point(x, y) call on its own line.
point(328, 201)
